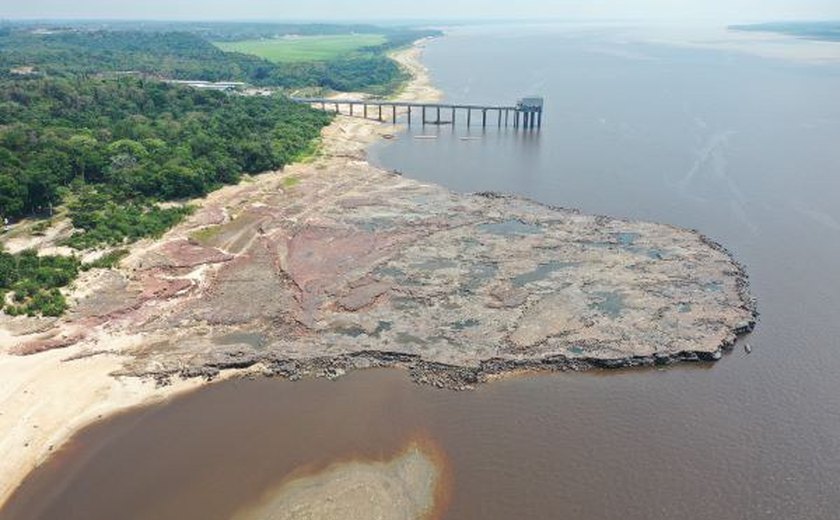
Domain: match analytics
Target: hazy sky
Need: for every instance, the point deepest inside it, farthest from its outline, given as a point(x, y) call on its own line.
point(717, 10)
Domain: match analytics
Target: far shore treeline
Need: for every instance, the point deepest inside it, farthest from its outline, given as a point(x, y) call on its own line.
point(180, 54)
point(78, 141)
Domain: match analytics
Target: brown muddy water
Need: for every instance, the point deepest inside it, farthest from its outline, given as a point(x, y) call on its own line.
point(566, 444)
point(741, 147)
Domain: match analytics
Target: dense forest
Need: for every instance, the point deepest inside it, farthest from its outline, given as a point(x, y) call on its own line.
point(129, 141)
point(188, 55)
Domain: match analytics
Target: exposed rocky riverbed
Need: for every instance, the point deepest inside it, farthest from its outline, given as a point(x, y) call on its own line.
point(336, 265)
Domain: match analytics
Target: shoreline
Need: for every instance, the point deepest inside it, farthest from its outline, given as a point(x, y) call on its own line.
point(113, 356)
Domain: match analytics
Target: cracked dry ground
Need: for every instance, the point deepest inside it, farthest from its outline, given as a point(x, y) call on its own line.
point(326, 267)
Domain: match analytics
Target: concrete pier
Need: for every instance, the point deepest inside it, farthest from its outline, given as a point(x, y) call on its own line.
point(527, 112)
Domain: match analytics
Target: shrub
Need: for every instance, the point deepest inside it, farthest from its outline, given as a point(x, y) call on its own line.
point(35, 282)
point(107, 261)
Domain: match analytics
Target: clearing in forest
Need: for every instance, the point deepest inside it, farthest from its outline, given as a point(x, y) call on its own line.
point(303, 48)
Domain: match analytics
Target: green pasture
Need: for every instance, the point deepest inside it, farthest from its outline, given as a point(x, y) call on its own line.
point(303, 48)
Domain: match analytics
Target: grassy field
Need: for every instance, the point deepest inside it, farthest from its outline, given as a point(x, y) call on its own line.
point(303, 48)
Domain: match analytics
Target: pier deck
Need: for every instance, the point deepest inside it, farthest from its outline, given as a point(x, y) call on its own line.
point(526, 113)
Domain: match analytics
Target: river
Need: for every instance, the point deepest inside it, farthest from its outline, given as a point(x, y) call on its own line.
point(743, 147)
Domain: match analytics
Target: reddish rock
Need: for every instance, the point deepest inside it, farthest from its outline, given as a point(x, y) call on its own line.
point(182, 253)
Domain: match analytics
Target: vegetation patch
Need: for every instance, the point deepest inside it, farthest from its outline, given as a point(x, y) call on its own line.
point(30, 284)
point(205, 236)
point(100, 221)
point(290, 181)
point(40, 228)
point(108, 261)
point(310, 153)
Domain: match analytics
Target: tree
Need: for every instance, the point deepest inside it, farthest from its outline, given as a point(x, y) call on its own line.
point(87, 157)
point(12, 196)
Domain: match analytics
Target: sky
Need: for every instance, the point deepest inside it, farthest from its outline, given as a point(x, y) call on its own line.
point(730, 11)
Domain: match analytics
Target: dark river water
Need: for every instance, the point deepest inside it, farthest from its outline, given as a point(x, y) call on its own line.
point(744, 148)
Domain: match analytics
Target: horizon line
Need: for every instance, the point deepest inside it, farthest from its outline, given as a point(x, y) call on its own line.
point(406, 20)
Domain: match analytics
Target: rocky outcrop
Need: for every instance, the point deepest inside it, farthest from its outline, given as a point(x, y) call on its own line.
point(350, 267)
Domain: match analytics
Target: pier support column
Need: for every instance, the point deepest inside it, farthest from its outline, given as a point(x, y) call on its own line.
point(409, 114)
point(424, 115)
point(516, 119)
point(453, 117)
point(438, 115)
point(380, 112)
point(469, 117)
point(351, 109)
point(500, 118)
point(337, 111)
point(365, 105)
point(483, 118)
point(539, 119)
point(394, 114)
point(507, 117)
